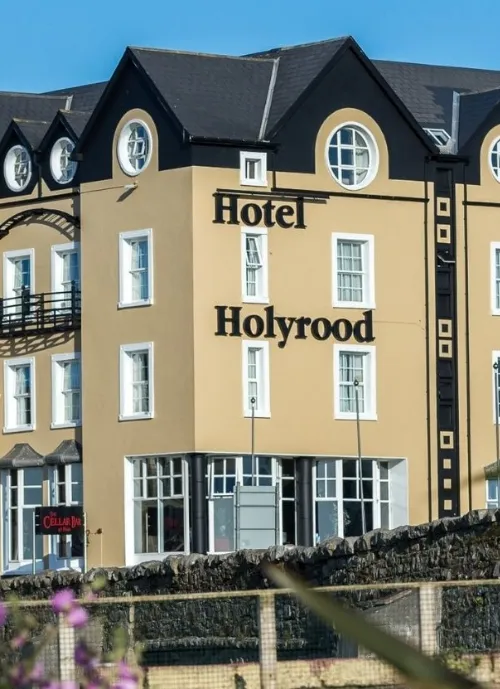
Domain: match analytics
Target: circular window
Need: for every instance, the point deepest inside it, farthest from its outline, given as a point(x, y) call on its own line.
point(17, 168)
point(134, 147)
point(495, 159)
point(352, 156)
point(63, 169)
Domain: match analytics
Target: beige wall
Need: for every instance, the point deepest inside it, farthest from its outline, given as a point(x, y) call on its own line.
point(162, 202)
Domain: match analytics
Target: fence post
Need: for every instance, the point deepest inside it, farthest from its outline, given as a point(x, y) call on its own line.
point(267, 642)
point(66, 644)
point(429, 599)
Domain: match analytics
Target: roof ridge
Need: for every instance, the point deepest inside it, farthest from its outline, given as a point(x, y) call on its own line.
point(25, 121)
point(475, 93)
point(434, 66)
point(17, 94)
point(194, 52)
point(301, 45)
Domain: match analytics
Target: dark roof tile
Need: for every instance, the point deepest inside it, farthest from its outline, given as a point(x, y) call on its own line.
point(27, 106)
point(33, 131)
point(212, 96)
point(67, 452)
point(22, 455)
point(76, 120)
point(82, 98)
point(474, 108)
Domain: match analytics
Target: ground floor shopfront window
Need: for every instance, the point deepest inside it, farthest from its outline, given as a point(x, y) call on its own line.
point(157, 524)
point(223, 475)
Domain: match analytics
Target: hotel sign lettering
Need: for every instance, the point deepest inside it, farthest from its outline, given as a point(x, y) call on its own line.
point(230, 322)
point(230, 211)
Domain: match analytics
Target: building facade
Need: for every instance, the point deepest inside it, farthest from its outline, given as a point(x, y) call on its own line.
point(212, 266)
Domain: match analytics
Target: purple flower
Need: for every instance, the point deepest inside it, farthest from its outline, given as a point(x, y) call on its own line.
point(3, 614)
point(63, 601)
point(36, 674)
point(18, 641)
point(125, 671)
point(67, 684)
point(77, 617)
point(129, 683)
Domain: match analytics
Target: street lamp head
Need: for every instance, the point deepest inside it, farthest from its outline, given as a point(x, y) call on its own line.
point(252, 401)
point(356, 382)
point(495, 365)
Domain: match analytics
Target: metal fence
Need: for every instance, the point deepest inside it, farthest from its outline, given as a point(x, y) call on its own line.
point(267, 639)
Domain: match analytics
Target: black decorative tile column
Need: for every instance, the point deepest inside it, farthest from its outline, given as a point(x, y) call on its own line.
point(304, 472)
point(199, 503)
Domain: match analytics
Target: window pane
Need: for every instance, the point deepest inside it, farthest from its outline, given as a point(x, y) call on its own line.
point(146, 526)
point(27, 527)
point(33, 476)
point(173, 525)
point(353, 520)
point(288, 518)
point(327, 524)
point(223, 525)
point(33, 496)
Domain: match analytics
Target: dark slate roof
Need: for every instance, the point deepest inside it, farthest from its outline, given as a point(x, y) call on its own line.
point(427, 90)
point(22, 455)
point(491, 470)
point(83, 98)
point(33, 131)
point(28, 106)
point(212, 96)
point(76, 120)
point(297, 68)
point(474, 108)
point(67, 452)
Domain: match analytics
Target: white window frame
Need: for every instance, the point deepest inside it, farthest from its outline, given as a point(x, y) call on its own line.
point(20, 566)
point(276, 476)
point(395, 466)
point(131, 557)
point(261, 159)
point(8, 275)
point(126, 399)
point(264, 410)
point(370, 376)
point(125, 287)
point(368, 259)
point(495, 357)
point(494, 247)
point(373, 152)
point(63, 562)
point(262, 296)
point(57, 393)
point(122, 148)
point(56, 260)
point(494, 502)
point(9, 405)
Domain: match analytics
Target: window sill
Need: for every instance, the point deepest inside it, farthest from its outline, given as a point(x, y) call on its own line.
point(19, 429)
point(257, 414)
point(134, 304)
point(255, 300)
point(349, 416)
point(368, 305)
point(135, 417)
point(66, 424)
point(495, 312)
point(253, 183)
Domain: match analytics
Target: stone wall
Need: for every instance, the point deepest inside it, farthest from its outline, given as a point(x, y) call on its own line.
point(222, 630)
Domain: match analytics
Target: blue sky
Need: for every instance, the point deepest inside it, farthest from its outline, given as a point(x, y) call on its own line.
point(56, 43)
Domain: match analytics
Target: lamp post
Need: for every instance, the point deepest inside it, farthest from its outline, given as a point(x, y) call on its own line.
point(360, 463)
point(254, 478)
point(497, 430)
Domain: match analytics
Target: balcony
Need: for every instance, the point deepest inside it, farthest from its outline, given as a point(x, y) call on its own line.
point(40, 314)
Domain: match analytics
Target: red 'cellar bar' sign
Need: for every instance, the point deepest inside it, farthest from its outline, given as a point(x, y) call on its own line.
point(58, 520)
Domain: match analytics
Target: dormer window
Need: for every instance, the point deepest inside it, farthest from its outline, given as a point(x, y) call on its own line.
point(135, 145)
point(63, 169)
point(495, 159)
point(253, 169)
point(439, 136)
point(352, 155)
point(17, 168)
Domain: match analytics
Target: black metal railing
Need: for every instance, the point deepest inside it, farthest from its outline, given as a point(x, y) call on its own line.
point(37, 314)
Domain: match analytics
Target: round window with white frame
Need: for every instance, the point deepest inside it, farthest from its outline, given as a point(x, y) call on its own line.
point(17, 168)
point(495, 159)
point(135, 145)
point(63, 169)
point(352, 155)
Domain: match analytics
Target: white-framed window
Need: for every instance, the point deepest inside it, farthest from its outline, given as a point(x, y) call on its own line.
point(439, 136)
point(495, 380)
point(225, 472)
point(65, 270)
point(17, 168)
point(340, 491)
point(135, 146)
point(136, 268)
point(19, 395)
point(157, 523)
point(253, 168)
point(355, 363)
point(492, 494)
point(18, 281)
point(136, 381)
point(494, 159)
point(254, 265)
point(66, 390)
point(66, 489)
point(256, 383)
point(495, 277)
point(62, 168)
point(353, 262)
point(23, 491)
point(352, 155)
